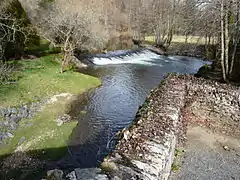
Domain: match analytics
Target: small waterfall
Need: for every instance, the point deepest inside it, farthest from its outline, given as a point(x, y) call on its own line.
point(144, 57)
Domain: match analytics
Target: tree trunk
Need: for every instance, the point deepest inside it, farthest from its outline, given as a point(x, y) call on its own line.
point(236, 39)
point(222, 42)
point(226, 41)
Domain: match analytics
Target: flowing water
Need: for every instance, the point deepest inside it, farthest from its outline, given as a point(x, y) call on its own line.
point(127, 78)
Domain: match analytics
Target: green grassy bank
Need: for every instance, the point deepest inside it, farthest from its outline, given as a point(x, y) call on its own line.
point(40, 79)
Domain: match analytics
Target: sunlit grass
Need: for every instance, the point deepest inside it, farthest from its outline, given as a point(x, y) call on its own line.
point(41, 135)
point(182, 39)
point(41, 78)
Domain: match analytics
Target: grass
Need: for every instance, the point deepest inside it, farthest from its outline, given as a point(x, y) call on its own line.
point(176, 166)
point(42, 48)
point(40, 78)
point(181, 39)
point(37, 79)
point(43, 138)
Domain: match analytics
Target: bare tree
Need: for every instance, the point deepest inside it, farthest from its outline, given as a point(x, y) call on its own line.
point(88, 25)
point(69, 29)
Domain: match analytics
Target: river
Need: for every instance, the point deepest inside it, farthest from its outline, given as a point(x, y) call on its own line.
point(127, 78)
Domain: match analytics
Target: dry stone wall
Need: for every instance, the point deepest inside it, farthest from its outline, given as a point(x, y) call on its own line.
point(146, 149)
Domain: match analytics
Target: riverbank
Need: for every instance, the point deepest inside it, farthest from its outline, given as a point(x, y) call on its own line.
point(160, 142)
point(194, 46)
point(147, 148)
point(35, 124)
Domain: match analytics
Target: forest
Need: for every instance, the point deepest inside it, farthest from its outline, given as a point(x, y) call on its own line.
point(112, 24)
point(96, 84)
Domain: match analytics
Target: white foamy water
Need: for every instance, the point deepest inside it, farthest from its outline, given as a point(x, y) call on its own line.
point(145, 57)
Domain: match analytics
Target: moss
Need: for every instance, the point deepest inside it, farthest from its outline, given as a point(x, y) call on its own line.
point(109, 167)
point(176, 163)
point(204, 70)
point(175, 167)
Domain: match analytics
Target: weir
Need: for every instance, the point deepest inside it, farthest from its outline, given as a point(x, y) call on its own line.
point(127, 78)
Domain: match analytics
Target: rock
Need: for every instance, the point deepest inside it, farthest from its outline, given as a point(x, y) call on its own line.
point(23, 113)
point(21, 141)
point(116, 178)
point(59, 122)
point(14, 118)
point(10, 135)
point(2, 137)
point(101, 177)
point(14, 111)
point(63, 119)
point(30, 115)
point(72, 176)
point(3, 112)
point(125, 135)
point(7, 113)
point(109, 166)
point(6, 123)
point(55, 174)
point(90, 174)
point(226, 148)
point(13, 125)
point(9, 110)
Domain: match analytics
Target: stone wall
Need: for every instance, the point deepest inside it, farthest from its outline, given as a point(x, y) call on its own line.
point(146, 149)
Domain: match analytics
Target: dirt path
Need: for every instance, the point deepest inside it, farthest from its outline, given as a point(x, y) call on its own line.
point(209, 156)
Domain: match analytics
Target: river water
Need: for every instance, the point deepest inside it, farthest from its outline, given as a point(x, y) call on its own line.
point(127, 78)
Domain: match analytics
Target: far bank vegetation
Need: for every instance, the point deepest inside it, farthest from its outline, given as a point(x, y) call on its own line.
point(80, 26)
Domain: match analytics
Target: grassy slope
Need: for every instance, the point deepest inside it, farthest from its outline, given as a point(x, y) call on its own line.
point(40, 78)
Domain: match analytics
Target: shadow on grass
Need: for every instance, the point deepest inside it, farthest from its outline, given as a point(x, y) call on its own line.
point(43, 49)
point(34, 165)
point(84, 150)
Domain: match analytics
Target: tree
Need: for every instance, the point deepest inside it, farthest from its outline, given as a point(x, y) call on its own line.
point(13, 29)
point(69, 29)
point(79, 25)
point(230, 36)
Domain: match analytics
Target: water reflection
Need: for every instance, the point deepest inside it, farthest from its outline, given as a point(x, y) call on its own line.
point(113, 106)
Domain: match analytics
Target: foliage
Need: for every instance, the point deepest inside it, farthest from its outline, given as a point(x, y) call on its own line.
point(15, 30)
point(177, 159)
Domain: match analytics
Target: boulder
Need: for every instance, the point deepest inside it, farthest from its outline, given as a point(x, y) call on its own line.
point(55, 174)
point(90, 174)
